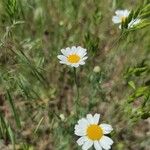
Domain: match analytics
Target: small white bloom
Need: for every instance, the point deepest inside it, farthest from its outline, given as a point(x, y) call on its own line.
point(91, 133)
point(97, 69)
point(73, 56)
point(132, 23)
point(121, 16)
point(62, 117)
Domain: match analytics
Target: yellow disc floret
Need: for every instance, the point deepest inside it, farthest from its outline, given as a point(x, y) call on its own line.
point(123, 19)
point(73, 58)
point(94, 132)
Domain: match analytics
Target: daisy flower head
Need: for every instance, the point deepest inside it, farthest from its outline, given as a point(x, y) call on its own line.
point(73, 56)
point(120, 16)
point(92, 133)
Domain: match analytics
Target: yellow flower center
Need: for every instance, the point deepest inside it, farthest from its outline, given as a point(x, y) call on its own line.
point(74, 58)
point(94, 132)
point(123, 19)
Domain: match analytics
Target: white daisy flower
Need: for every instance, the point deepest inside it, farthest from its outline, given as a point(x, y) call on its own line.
point(121, 16)
point(91, 133)
point(132, 23)
point(73, 56)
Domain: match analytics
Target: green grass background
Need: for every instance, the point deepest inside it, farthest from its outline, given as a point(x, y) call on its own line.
point(35, 89)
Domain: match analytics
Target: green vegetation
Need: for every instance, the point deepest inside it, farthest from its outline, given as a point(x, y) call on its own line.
point(38, 94)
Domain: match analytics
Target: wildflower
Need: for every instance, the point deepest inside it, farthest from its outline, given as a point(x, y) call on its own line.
point(97, 69)
point(62, 117)
point(93, 134)
point(121, 16)
point(73, 56)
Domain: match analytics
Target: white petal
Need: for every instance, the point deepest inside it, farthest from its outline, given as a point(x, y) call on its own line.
point(97, 145)
point(96, 118)
point(81, 49)
point(82, 63)
point(90, 118)
point(84, 58)
point(126, 13)
point(82, 140)
point(106, 142)
point(62, 57)
point(64, 52)
point(87, 145)
point(81, 52)
point(119, 12)
point(63, 62)
point(80, 132)
point(80, 126)
point(116, 19)
point(106, 128)
point(77, 127)
point(68, 51)
point(122, 13)
point(80, 129)
point(68, 48)
point(75, 65)
point(74, 49)
point(83, 122)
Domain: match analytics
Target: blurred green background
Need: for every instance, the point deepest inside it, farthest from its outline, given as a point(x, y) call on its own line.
point(37, 93)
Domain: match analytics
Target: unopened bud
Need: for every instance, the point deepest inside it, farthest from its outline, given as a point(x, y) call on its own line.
point(97, 69)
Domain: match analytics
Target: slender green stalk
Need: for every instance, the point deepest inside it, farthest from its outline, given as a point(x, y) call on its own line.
point(77, 87)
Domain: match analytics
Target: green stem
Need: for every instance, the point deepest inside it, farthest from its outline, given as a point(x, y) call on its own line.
point(77, 87)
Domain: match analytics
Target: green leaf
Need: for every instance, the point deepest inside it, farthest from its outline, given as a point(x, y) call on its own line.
point(11, 136)
point(137, 12)
point(141, 91)
point(143, 24)
point(132, 84)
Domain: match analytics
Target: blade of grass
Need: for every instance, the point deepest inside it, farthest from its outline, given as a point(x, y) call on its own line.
point(38, 125)
point(3, 127)
point(6, 131)
point(16, 116)
point(11, 136)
